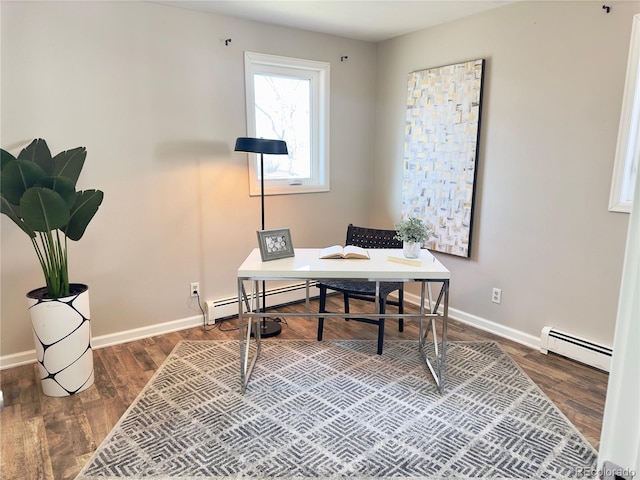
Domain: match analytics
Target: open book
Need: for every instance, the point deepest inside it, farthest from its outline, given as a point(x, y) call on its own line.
point(350, 251)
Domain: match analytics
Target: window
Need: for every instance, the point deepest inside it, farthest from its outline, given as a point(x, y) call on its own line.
point(288, 99)
point(625, 168)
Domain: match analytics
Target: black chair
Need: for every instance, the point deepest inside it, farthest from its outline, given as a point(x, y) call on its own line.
point(365, 290)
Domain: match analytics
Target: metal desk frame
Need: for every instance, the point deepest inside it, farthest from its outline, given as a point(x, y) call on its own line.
point(306, 266)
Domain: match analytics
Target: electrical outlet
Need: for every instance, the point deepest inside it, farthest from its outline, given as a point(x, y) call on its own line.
point(195, 289)
point(496, 295)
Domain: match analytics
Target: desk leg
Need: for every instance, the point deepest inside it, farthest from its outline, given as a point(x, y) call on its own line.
point(253, 324)
point(445, 321)
point(437, 362)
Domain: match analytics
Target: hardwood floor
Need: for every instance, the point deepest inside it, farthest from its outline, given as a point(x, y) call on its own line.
point(52, 438)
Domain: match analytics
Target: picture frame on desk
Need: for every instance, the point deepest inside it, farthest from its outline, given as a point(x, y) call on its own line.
point(275, 243)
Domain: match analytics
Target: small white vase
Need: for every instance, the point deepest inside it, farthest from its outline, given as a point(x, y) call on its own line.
point(411, 249)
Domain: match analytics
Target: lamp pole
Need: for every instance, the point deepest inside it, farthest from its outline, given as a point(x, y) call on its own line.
point(262, 146)
point(262, 186)
point(263, 330)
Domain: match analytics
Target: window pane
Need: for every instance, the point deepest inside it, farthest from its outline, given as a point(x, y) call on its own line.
point(627, 160)
point(288, 99)
point(282, 111)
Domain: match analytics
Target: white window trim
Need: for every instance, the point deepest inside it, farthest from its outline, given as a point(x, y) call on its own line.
point(260, 63)
point(628, 147)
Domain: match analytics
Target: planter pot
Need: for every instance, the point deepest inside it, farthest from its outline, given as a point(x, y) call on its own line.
point(411, 249)
point(62, 335)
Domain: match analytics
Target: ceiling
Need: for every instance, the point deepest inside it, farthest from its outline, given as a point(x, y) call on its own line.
point(368, 20)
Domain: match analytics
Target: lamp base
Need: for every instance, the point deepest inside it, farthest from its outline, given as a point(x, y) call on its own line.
point(269, 329)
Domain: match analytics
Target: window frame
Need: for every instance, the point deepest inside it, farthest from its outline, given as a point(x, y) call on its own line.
point(318, 73)
point(628, 146)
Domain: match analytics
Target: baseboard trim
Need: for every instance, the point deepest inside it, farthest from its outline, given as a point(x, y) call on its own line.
point(146, 332)
point(17, 359)
point(485, 325)
point(24, 358)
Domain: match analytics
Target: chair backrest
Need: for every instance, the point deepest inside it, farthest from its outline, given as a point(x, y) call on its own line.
point(372, 237)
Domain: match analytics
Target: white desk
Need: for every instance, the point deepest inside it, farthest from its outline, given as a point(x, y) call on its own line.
point(306, 266)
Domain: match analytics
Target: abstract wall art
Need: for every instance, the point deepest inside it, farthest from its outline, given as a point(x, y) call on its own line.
point(442, 132)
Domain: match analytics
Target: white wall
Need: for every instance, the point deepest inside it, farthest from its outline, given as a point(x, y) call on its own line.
point(158, 100)
point(552, 96)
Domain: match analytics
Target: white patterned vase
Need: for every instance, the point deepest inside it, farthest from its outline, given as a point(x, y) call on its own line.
point(411, 249)
point(62, 334)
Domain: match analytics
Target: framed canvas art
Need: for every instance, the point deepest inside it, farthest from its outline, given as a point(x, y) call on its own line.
point(442, 132)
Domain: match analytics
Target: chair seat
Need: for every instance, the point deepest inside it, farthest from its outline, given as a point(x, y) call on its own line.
point(364, 287)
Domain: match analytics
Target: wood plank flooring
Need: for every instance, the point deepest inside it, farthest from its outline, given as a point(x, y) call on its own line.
point(52, 438)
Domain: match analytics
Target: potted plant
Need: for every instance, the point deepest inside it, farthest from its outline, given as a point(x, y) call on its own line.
point(38, 193)
point(413, 232)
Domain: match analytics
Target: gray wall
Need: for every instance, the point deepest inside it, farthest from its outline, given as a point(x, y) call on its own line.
point(158, 100)
point(552, 96)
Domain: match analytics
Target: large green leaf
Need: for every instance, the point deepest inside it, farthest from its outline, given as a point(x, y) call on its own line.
point(69, 163)
point(61, 185)
point(13, 212)
point(84, 208)
point(38, 152)
point(44, 210)
point(5, 158)
point(18, 176)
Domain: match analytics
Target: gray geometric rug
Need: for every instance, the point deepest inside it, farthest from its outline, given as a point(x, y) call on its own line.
point(335, 409)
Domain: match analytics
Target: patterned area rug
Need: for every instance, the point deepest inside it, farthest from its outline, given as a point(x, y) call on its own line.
point(335, 409)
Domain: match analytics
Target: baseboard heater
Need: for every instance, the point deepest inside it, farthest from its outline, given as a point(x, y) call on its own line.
point(225, 308)
point(575, 348)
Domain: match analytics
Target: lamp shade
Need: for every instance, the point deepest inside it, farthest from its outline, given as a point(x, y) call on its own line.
point(261, 145)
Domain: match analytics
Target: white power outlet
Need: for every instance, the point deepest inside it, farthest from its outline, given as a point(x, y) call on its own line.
point(195, 289)
point(496, 295)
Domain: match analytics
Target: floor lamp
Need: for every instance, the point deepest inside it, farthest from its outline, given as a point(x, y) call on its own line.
point(272, 147)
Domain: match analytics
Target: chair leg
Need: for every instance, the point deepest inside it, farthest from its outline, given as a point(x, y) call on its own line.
point(401, 309)
point(346, 304)
point(322, 309)
point(383, 305)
